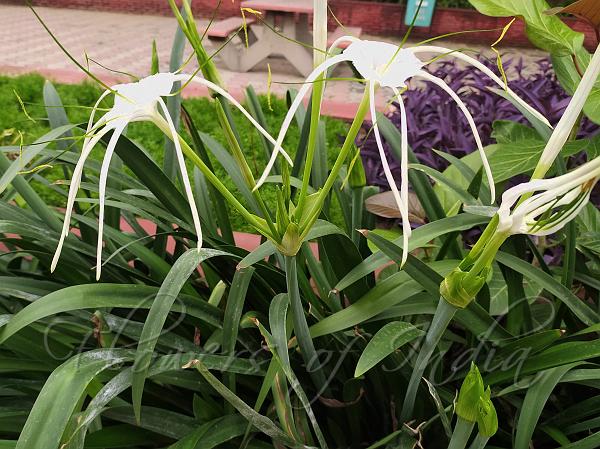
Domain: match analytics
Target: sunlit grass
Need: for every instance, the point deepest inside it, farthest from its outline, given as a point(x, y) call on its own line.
point(30, 88)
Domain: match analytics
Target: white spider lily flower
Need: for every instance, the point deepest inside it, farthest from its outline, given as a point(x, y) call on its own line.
point(565, 126)
point(557, 201)
point(386, 65)
point(135, 102)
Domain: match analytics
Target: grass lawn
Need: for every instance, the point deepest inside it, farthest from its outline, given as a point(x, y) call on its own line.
point(78, 98)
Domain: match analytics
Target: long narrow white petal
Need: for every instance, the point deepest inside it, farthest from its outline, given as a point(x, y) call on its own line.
point(229, 97)
point(469, 117)
point(474, 62)
point(110, 148)
point(341, 39)
point(74, 187)
point(570, 116)
point(184, 175)
point(403, 150)
point(292, 111)
point(406, 229)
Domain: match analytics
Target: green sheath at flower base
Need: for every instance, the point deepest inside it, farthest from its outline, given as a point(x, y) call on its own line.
point(487, 419)
point(459, 289)
point(291, 242)
point(471, 391)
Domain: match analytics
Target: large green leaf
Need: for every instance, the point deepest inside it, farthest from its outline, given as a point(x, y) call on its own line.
point(534, 402)
point(575, 304)
point(164, 364)
point(420, 237)
point(519, 149)
point(387, 293)
point(546, 32)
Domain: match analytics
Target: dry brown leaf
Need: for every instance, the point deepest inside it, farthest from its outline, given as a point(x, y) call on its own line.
point(588, 10)
point(384, 205)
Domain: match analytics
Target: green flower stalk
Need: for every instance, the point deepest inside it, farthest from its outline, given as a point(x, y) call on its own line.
point(551, 204)
point(559, 201)
point(319, 31)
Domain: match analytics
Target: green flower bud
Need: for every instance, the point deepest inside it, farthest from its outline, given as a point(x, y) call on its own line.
point(459, 292)
point(471, 390)
point(487, 419)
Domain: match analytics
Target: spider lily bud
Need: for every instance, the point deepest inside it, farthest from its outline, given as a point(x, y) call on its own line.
point(557, 201)
point(471, 391)
point(487, 419)
point(460, 287)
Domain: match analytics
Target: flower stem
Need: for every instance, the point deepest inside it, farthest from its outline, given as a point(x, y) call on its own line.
point(305, 343)
point(486, 256)
point(480, 442)
point(315, 115)
point(443, 315)
point(461, 434)
point(347, 146)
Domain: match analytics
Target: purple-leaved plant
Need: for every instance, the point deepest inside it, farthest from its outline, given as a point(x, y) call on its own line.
point(434, 121)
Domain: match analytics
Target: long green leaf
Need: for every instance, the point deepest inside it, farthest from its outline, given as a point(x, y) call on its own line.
point(96, 296)
point(387, 340)
point(576, 305)
point(61, 393)
point(259, 421)
point(161, 306)
point(534, 403)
